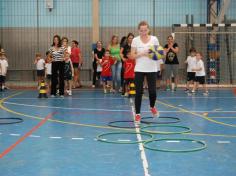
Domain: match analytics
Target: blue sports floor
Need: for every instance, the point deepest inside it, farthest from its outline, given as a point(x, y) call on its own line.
point(58, 137)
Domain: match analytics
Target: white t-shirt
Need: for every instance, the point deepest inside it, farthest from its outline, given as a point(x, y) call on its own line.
point(191, 61)
point(159, 63)
point(40, 64)
point(48, 67)
point(199, 65)
point(4, 65)
point(143, 63)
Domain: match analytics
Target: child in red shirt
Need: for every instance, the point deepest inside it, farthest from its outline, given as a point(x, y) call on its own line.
point(129, 74)
point(106, 62)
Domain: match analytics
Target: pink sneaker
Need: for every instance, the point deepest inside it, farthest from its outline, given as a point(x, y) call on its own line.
point(137, 118)
point(155, 112)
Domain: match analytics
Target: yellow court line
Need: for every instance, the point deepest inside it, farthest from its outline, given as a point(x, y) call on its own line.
point(196, 114)
point(87, 125)
point(53, 120)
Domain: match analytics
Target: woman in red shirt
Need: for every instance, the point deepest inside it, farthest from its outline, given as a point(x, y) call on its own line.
point(77, 63)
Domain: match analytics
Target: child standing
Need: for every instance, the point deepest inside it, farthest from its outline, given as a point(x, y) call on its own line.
point(106, 62)
point(129, 65)
point(39, 62)
point(191, 63)
point(68, 74)
point(48, 70)
point(3, 69)
point(200, 73)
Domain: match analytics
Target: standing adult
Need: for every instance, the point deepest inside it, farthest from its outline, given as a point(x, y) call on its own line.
point(144, 67)
point(98, 53)
point(77, 62)
point(171, 62)
point(122, 43)
point(124, 49)
point(57, 51)
point(114, 49)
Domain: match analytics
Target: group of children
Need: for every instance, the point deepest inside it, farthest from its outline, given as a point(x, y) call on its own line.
point(44, 71)
point(106, 72)
point(3, 69)
point(195, 72)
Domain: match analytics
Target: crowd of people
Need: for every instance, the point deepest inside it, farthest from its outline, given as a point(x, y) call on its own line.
point(116, 67)
point(61, 68)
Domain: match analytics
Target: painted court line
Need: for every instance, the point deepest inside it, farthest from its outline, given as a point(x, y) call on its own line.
point(14, 134)
point(223, 142)
point(58, 107)
point(111, 98)
point(34, 136)
point(141, 147)
point(55, 137)
point(109, 110)
point(172, 141)
point(77, 138)
point(42, 122)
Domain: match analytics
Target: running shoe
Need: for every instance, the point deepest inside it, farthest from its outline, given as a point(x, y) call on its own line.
point(155, 112)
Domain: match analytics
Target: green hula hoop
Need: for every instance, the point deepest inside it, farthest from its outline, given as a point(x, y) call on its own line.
point(185, 129)
point(99, 138)
point(204, 146)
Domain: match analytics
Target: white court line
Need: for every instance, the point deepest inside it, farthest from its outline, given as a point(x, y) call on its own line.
point(93, 109)
point(103, 139)
point(77, 138)
point(13, 134)
point(141, 147)
point(55, 137)
point(172, 141)
point(223, 142)
point(34, 136)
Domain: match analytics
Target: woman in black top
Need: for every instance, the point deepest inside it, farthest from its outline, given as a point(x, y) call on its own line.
point(126, 46)
point(98, 52)
point(57, 51)
point(171, 63)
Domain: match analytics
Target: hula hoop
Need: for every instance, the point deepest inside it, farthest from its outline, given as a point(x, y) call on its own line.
point(10, 120)
point(204, 146)
point(185, 129)
point(99, 138)
point(175, 120)
point(113, 124)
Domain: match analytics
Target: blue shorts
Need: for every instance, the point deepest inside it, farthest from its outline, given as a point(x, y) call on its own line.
point(106, 78)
